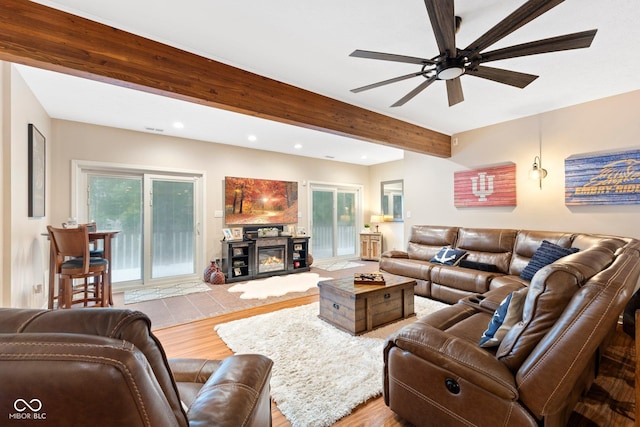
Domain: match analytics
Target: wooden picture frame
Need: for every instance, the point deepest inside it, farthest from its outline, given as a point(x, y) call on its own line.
point(236, 233)
point(37, 172)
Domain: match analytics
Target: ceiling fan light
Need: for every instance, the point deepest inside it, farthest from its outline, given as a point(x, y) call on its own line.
point(450, 73)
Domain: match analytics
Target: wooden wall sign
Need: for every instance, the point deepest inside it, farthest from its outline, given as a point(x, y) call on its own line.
point(493, 186)
point(603, 178)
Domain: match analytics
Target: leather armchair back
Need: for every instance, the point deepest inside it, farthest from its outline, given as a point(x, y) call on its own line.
point(550, 372)
point(69, 379)
point(427, 240)
point(528, 241)
point(488, 246)
point(120, 350)
point(549, 293)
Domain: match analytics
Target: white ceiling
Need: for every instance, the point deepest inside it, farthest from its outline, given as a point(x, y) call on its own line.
point(307, 44)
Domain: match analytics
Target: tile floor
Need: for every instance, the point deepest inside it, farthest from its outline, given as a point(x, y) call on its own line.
point(186, 308)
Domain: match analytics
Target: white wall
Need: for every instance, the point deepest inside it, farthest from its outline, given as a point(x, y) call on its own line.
point(26, 250)
point(79, 141)
point(5, 145)
point(609, 124)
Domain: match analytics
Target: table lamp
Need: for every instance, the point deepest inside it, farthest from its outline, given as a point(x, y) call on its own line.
point(375, 219)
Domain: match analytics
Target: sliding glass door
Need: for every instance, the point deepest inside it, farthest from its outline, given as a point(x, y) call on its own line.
point(334, 213)
point(158, 219)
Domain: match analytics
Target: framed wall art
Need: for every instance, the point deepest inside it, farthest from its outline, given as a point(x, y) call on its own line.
point(491, 186)
point(37, 172)
point(250, 201)
point(605, 178)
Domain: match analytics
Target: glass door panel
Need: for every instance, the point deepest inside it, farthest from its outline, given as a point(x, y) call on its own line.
point(346, 229)
point(323, 221)
point(115, 203)
point(173, 237)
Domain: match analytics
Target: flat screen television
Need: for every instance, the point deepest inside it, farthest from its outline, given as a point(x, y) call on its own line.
point(250, 201)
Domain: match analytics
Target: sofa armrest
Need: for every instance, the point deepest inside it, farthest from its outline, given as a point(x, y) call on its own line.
point(395, 254)
point(193, 370)
point(460, 357)
point(235, 394)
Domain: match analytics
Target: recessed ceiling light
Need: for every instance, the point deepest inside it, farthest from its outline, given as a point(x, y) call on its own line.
point(297, 146)
point(364, 156)
point(178, 125)
point(252, 138)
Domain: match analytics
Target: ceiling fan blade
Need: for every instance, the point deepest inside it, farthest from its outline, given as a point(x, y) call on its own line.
point(385, 82)
point(454, 91)
point(442, 16)
point(524, 14)
point(422, 86)
point(508, 77)
point(390, 57)
point(553, 44)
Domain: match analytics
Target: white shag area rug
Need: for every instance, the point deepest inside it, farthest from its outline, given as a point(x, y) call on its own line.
point(276, 286)
point(336, 265)
point(320, 373)
point(158, 292)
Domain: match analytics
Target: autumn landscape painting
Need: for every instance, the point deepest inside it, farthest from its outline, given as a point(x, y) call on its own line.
point(260, 201)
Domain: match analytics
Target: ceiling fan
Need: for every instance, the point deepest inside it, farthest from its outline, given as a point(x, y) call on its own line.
point(452, 63)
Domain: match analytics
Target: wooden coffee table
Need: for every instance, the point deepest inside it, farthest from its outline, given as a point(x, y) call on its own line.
point(361, 308)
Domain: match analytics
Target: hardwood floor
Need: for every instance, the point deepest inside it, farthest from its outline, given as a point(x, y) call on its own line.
point(198, 339)
point(608, 403)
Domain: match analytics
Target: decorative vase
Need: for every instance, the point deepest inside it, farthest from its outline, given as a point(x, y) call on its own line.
point(218, 278)
point(309, 260)
point(213, 274)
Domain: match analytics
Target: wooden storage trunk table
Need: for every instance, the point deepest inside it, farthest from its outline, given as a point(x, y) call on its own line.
point(361, 308)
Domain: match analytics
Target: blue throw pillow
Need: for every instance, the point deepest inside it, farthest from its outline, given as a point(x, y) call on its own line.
point(449, 256)
point(496, 321)
point(546, 254)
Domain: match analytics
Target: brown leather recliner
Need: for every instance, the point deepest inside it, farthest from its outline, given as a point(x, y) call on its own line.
point(104, 367)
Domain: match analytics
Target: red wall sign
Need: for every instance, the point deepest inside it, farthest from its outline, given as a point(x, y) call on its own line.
point(494, 186)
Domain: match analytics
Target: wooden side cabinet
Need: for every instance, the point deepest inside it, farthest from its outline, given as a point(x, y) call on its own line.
point(370, 246)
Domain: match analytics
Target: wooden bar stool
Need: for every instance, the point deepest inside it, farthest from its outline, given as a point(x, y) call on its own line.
point(94, 250)
point(73, 261)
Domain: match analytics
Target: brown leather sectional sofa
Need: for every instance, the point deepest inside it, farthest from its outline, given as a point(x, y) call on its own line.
point(436, 373)
point(104, 367)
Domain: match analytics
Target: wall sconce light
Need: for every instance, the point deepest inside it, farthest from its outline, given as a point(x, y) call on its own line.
point(537, 172)
point(375, 219)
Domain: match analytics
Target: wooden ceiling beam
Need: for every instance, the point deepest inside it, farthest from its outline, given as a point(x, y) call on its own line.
point(40, 36)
